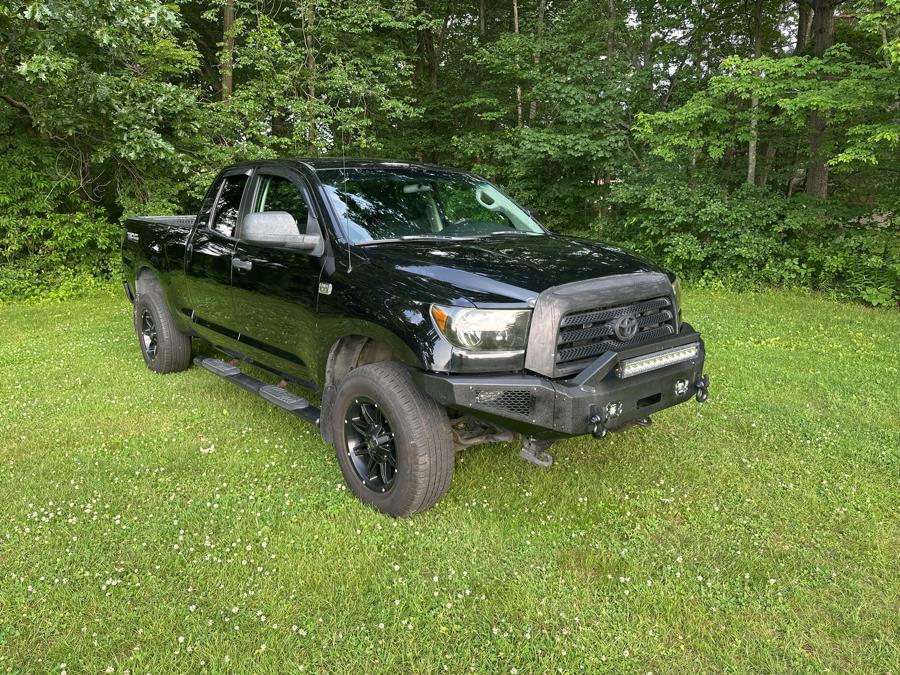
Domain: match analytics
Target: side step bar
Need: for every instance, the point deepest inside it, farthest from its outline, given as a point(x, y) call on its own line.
point(284, 399)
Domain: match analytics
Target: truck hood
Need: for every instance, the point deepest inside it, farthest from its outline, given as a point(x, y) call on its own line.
point(506, 268)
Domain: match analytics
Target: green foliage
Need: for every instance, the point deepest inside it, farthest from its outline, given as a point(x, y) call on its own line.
point(751, 238)
point(56, 254)
point(836, 87)
point(110, 108)
point(51, 244)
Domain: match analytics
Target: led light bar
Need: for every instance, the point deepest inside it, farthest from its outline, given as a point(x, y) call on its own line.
point(667, 357)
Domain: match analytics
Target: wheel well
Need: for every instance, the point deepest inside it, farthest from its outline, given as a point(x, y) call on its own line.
point(352, 352)
point(346, 354)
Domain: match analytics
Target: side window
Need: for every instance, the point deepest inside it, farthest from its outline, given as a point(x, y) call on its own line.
point(228, 205)
point(279, 194)
point(208, 202)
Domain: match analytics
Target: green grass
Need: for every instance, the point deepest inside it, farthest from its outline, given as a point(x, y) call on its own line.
point(177, 523)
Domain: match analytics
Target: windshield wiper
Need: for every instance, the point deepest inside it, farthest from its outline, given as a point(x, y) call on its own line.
point(415, 237)
point(435, 237)
point(506, 232)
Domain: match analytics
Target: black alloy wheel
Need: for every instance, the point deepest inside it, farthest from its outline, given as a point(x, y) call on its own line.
point(370, 444)
point(393, 442)
point(165, 349)
point(148, 334)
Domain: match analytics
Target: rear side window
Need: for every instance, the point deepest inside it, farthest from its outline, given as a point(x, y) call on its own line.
point(208, 202)
point(228, 205)
point(279, 194)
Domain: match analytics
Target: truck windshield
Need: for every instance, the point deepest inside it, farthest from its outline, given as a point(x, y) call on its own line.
point(397, 204)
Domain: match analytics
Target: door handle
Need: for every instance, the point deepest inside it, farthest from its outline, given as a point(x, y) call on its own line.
point(243, 265)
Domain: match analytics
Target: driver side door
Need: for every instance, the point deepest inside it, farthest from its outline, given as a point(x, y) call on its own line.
point(275, 289)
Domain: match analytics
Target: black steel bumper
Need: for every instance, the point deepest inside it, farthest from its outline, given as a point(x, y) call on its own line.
point(546, 408)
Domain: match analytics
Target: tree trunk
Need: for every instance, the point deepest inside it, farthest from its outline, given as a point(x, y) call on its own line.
point(769, 154)
point(823, 37)
point(280, 126)
point(481, 19)
point(822, 26)
point(611, 29)
point(542, 9)
point(885, 48)
point(432, 47)
point(804, 22)
point(307, 27)
point(754, 103)
point(817, 172)
point(515, 5)
point(227, 50)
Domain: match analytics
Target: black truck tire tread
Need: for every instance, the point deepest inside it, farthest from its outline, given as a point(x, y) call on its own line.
point(423, 430)
point(174, 347)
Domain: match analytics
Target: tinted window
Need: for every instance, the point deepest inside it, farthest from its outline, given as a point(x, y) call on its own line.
point(228, 205)
point(385, 204)
point(279, 194)
point(207, 206)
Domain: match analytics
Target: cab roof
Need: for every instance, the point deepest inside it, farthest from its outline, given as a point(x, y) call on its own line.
point(332, 163)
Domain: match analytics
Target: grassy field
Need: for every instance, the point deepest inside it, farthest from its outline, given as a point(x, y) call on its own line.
point(177, 523)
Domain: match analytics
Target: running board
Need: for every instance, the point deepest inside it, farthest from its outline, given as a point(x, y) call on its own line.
point(284, 399)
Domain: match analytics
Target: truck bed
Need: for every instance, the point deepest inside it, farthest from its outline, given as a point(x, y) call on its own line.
point(156, 242)
point(173, 221)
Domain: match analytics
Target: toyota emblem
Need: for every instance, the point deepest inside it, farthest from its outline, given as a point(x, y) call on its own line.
point(625, 327)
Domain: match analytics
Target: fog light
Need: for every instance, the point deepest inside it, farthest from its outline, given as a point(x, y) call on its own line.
point(613, 409)
point(489, 397)
point(681, 387)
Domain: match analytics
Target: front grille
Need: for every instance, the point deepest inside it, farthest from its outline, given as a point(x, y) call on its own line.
point(513, 401)
point(588, 333)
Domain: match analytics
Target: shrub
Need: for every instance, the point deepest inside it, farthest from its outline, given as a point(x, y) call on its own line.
point(752, 237)
point(56, 254)
point(51, 242)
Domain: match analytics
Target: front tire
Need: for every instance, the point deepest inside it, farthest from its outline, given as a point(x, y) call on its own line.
point(165, 348)
point(393, 442)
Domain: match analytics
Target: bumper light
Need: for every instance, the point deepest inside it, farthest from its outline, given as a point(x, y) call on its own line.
point(667, 357)
point(613, 409)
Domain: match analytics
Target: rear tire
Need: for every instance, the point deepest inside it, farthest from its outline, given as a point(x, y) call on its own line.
point(165, 348)
point(378, 413)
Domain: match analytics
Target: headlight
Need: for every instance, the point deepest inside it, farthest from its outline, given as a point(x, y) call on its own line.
point(482, 329)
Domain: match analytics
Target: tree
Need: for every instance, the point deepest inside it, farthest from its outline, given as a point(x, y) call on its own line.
point(823, 38)
point(227, 49)
point(101, 83)
point(589, 111)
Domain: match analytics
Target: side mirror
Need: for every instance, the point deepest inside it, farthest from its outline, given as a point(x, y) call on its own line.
point(277, 229)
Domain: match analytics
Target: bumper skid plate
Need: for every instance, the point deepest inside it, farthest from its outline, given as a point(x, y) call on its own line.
point(594, 401)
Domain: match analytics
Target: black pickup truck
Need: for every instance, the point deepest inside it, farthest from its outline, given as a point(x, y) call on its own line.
point(422, 308)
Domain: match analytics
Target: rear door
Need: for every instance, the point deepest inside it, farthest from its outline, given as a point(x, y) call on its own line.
point(275, 290)
point(209, 255)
